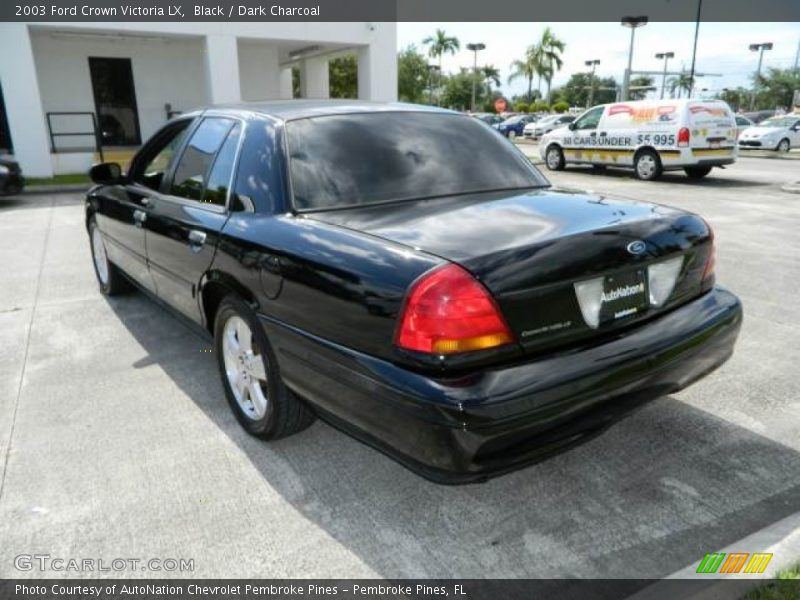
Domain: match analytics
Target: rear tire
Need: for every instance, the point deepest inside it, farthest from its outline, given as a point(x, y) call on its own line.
point(697, 172)
point(261, 402)
point(647, 165)
point(512, 135)
point(109, 278)
point(784, 145)
point(554, 158)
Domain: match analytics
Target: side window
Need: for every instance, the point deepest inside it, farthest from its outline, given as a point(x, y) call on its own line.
point(590, 119)
point(191, 173)
point(158, 155)
point(220, 177)
point(259, 183)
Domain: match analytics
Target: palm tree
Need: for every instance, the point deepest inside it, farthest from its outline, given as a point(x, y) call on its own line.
point(440, 44)
point(551, 49)
point(682, 82)
point(491, 75)
point(528, 67)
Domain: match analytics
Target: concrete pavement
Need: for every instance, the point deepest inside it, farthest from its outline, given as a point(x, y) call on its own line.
point(116, 440)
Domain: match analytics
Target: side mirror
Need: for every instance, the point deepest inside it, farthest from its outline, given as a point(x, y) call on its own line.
point(571, 126)
point(108, 173)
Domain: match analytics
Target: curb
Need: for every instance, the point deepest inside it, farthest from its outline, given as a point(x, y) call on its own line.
point(782, 539)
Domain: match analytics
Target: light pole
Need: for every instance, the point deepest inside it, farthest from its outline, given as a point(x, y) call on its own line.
point(431, 69)
point(760, 49)
point(591, 63)
point(477, 47)
point(633, 23)
point(665, 56)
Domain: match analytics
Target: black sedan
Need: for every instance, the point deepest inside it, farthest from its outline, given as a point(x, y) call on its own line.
point(408, 276)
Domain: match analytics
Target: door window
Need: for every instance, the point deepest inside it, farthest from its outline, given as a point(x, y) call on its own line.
point(155, 158)
point(219, 179)
point(191, 174)
point(590, 119)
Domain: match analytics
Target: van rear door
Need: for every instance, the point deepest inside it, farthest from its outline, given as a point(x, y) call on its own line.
point(712, 125)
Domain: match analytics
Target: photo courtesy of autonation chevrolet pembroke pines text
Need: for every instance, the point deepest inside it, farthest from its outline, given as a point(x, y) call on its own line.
point(380, 299)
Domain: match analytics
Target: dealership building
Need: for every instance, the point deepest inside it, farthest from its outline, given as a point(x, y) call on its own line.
point(69, 90)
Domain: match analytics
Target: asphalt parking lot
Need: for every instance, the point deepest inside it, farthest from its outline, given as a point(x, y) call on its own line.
point(115, 439)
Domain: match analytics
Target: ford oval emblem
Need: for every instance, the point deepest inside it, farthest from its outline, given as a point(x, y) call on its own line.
point(637, 247)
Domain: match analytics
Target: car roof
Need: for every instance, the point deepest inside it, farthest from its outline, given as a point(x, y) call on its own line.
point(287, 110)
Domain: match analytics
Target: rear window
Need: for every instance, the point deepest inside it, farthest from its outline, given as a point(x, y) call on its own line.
point(348, 160)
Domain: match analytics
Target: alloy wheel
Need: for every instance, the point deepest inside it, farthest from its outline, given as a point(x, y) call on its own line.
point(244, 368)
point(646, 166)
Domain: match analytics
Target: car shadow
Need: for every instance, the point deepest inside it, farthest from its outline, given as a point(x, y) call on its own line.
point(650, 496)
point(39, 200)
point(671, 177)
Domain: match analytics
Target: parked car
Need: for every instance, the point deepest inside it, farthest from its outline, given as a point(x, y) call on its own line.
point(11, 179)
point(742, 123)
point(537, 129)
point(513, 126)
point(488, 118)
point(759, 115)
point(776, 133)
point(353, 261)
point(649, 136)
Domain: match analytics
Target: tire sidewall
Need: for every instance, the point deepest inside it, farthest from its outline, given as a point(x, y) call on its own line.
point(779, 147)
point(233, 306)
point(561, 159)
point(105, 288)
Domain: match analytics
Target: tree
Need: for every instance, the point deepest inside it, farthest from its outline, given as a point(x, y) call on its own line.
point(737, 98)
point(643, 81)
point(457, 90)
point(439, 45)
point(491, 75)
point(412, 75)
point(680, 83)
point(776, 88)
point(343, 76)
point(550, 48)
point(560, 107)
point(521, 107)
point(576, 91)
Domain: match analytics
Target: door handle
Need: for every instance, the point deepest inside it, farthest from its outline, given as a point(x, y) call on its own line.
point(139, 217)
point(593, 134)
point(197, 238)
point(602, 134)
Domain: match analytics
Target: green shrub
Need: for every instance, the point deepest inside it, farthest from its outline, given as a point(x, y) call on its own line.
point(540, 107)
point(560, 107)
point(521, 107)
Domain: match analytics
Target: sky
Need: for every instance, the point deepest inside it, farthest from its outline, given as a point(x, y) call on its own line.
point(722, 48)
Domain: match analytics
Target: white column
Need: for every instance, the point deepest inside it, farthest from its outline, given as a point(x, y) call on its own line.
point(222, 69)
point(286, 87)
point(377, 65)
point(23, 101)
point(314, 78)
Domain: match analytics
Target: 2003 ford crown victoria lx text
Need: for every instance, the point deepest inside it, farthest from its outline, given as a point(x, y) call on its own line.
point(406, 274)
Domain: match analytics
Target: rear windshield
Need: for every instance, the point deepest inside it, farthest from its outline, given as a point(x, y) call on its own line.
point(347, 160)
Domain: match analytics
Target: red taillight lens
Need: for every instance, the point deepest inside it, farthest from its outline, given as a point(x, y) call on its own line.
point(448, 311)
point(683, 136)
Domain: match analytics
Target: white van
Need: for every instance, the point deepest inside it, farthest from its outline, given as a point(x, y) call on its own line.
point(649, 136)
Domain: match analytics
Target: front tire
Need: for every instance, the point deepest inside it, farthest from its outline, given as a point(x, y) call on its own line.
point(697, 172)
point(262, 404)
point(109, 278)
point(554, 158)
point(783, 146)
point(647, 165)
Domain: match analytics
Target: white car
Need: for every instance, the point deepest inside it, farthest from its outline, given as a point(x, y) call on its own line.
point(545, 125)
point(649, 136)
point(781, 133)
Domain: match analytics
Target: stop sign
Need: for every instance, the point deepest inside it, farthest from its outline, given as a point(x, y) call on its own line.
point(500, 105)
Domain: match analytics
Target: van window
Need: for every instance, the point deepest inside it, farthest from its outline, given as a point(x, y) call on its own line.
point(590, 119)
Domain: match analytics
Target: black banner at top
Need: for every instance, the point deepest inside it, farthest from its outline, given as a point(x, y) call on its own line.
point(398, 10)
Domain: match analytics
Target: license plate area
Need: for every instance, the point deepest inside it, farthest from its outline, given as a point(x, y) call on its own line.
point(624, 295)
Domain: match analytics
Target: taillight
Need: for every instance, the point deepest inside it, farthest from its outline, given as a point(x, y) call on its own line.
point(683, 137)
point(448, 311)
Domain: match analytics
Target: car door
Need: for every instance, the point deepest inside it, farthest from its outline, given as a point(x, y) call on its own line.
point(123, 208)
point(583, 145)
point(184, 221)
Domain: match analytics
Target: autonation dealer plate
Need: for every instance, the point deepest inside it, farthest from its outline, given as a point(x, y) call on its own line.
point(624, 295)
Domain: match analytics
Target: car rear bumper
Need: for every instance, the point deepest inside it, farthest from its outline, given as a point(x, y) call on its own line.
point(471, 427)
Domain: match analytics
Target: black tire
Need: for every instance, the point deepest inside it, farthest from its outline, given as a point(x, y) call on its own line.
point(554, 161)
point(285, 413)
point(114, 282)
point(598, 167)
point(647, 165)
point(784, 145)
point(697, 172)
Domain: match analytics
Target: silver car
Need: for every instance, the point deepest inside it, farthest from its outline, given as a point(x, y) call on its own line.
point(781, 133)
